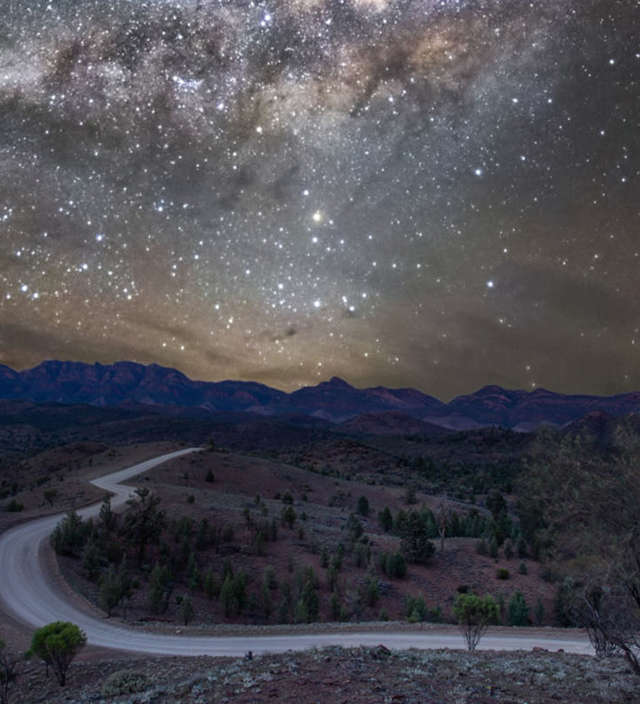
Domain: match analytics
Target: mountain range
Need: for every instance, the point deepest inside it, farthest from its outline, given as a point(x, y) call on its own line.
point(376, 409)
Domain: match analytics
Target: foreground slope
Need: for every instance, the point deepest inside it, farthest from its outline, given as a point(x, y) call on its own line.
point(34, 597)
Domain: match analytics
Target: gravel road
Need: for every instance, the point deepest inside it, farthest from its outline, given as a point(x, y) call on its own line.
point(33, 595)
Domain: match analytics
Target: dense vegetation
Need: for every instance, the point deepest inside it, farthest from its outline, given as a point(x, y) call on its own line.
point(580, 508)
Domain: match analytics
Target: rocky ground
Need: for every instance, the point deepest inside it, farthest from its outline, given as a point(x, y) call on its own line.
point(352, 676)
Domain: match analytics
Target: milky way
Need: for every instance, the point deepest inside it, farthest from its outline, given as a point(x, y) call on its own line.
point(407, 192)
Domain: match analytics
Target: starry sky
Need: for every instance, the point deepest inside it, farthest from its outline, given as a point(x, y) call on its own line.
point(438, 194)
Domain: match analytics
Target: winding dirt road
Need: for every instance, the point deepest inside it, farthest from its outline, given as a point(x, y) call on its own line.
point(30, 594)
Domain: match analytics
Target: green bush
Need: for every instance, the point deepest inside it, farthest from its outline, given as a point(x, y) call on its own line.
point(186, 610)
point(124, 682)
point(372, 591)
point(414, 532)
point(416, 609)
point(70, 535)
point(493, 547)
point(14, 506)
point(392, 564)
point(518, 610)
point(523, 568)
point(474, 614)
point(502, 573)
point(385, 519)
point(57, 644)
point(508, 549)
point(363, 506)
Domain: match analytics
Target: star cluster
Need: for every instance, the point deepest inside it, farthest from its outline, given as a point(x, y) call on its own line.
point(439, 194)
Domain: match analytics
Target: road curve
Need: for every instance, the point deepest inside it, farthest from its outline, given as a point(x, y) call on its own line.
point(32, 596)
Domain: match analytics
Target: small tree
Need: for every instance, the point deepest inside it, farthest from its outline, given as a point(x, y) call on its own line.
point(474, 614)
point(160, 588)
point(385, 519)
point(57, 644)
point(50, 496)
point(108, 519)
point(363, 506)
point(410, 495)
point(518, 610)
point(443, 519)
point(508, 549)
point(288, 516)
point(144, 521)
point(415, 544)
point(186, 610)
point(115, 585)
point(9, 663)
point(69, 535)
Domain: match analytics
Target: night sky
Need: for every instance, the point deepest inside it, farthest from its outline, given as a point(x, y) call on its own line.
point(402, 192)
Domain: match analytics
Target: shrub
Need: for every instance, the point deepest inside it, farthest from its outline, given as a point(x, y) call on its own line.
point(372, 591)
point(115, 585)
point(69, 535)
point(385, 519)
point(493, 547)
point(521, 547)
point(186, 610)
point(210, 477)
point(415, 543)
point(288, 516)
point(393, 564)
point(474, 614)
point(191, 499)
point(160, 588)
point(508, 549)
point(50, 496)
point(416, 609)
point(124, 682)
point(502, 573)
point(518, 610)
point(14, 506)
point(481, 547)
point(363, 506)
point(335, 606)
point(354, 527)
point(269, 578)
point(308, 605)
point(523, 568)
point(57, 644)
point(234, 594)
point(410, 495)
point(211, 584)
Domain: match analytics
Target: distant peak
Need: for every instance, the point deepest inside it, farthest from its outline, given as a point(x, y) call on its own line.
point(491, 389)
point(337, 382)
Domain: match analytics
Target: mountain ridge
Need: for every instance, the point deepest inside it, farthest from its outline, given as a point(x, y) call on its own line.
point(334, 400)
